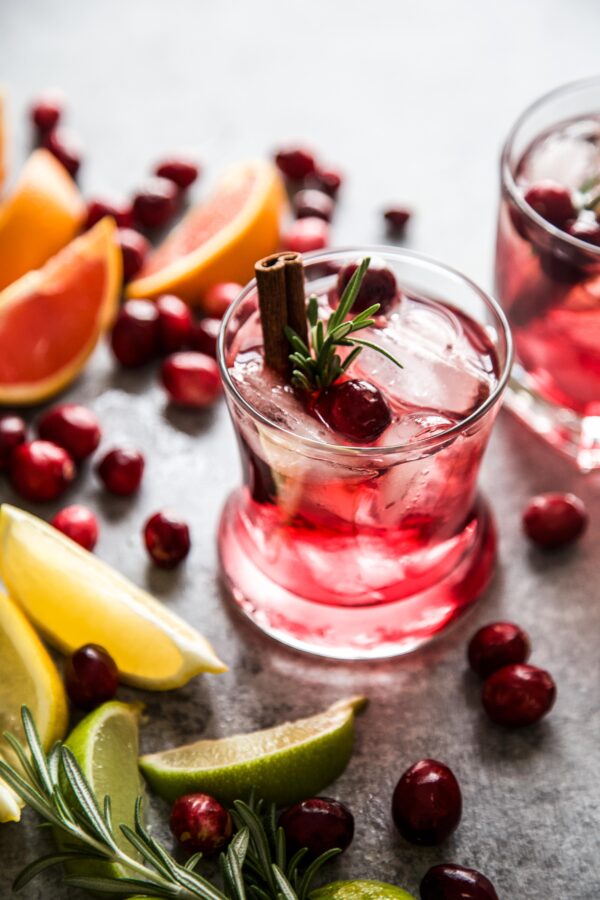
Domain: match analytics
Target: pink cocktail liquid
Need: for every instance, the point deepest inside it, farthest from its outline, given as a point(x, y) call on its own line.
point(548, 281)
point(363, 551)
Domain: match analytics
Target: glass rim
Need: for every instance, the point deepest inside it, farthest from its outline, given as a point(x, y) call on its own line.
point(370, 450)
point(507, 178)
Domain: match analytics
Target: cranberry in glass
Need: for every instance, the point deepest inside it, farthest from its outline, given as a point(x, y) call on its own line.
point(378, 286)
point(306, 235)
point(181, 171)
point(191, 379)
point(553, 520)
point(427, 803)
point(167, 539)
point(397, 218)
point(47, 111)
point(120, 210)
point(552, 202)
point(200, 823)
point(72, 426)
point(155, 203)
point(327, 180)
point(219, 298)
point(174, 323)
point(91, 676)
point(320, 824)
point(41, 471)
point(65, 147)
point(313, 203)
point(135, 335)
point(79, 523)
point(13, 431)
point(497, 645)
point(585, 231)
point(295, 162)
point(205, 334)
point(355, 409)
point(134, 249)
point(121, 470)
point(451, 882)
point(518, 695)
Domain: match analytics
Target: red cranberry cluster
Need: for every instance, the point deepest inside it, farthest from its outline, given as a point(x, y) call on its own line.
point(47, 114)
point(313, 190)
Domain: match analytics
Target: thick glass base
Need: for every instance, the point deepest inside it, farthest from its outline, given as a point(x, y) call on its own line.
point(369, 631)
point(576, 436)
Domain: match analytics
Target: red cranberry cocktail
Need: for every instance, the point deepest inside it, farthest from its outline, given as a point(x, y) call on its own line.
point(358, 531)
point(548, 267)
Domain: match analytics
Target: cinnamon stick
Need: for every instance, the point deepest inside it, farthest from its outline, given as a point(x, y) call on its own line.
point(280, 283)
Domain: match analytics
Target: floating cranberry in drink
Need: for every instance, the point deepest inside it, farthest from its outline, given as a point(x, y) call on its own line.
point(358, 531)
point(548, 267)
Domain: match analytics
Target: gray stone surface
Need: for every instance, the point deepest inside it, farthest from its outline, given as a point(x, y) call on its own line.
point(413, 100)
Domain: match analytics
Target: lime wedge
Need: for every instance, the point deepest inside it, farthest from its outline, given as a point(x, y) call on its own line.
point(360, 890)
point(106, 747)
point(283, 764)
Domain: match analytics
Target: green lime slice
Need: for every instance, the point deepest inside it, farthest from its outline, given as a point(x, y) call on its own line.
point(106, 746)
point(360, 890)
point(283, 764)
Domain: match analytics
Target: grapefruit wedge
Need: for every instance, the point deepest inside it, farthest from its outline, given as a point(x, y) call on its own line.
point(219, 240)
point(43, 214)
point(51, 319)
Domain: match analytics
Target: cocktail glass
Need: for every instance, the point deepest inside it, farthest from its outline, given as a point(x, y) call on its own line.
point(547, 279)
point(367, 551)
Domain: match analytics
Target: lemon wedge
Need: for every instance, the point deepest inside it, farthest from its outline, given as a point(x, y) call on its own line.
point(28, 677)
point(74, 599)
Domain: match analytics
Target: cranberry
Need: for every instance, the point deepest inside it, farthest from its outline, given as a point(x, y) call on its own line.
point(451, 882)
point(120, 210)
point(427, 803)
point(397, 218)
point(378, 286)
point(182, 172)
point(295, 162)
point(135, 335)
point(155, 203)
point(552, 520)
point(313, 203)
point(327, 180)
point(91, 676)
point(258, 476)
point(585, 231)
point(121, 471)
point(191, 379)
point(355, 409)
point(497, 645)
point(167, 539)
point(305, 235)
point(552, 202)
point(65, 147)
point(13, 431)
point(205, 334)
point(74, 427)
point(320, 824)
point(174, 323)
point(134, 249)
point(219, 298)
point(518, 695)
point(79, 523)
point(40, 470)
point(47, 111)
point(200, 823)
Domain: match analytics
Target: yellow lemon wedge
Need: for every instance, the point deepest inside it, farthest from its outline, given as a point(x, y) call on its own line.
point(74, 599)
point(28, 677)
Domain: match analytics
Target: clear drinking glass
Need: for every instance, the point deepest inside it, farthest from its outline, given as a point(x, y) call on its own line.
point(547, 279)
point(367, 551)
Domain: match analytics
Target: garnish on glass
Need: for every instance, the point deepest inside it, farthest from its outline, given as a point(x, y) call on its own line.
point(254, 866)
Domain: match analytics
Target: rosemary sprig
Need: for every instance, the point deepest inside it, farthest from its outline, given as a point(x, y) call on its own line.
point(254, 867)
point(317, 365)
